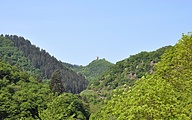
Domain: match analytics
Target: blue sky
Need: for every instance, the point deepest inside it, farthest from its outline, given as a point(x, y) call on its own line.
point(76, 31)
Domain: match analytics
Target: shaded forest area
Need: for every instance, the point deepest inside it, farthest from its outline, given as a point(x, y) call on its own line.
point(21, 52)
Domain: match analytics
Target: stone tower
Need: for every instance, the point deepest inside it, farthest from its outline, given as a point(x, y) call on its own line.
point(97, 58)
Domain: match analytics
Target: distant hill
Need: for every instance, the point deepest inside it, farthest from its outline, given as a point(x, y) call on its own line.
point(165, 95)
point(19, 51)
point(123, 73)
point(129, 70)
point(93, 70)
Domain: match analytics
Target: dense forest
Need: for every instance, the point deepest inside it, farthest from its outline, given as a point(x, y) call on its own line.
point(93, 70)
point(19, 51)
point(124, 72)
point(23, 97)
point(129, 70)
point(148, 85)
point(166, 94)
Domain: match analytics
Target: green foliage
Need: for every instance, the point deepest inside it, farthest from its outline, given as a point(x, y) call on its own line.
point(66, 107)
point(24, 97)
point(5, 42)
point(129, 70)
point(11, 54)
point(176, 63)
point(165, 95)
point(56, 84)
point(94, 69)
point(21, 96)
point(20, 52)
point(124, 72)
point(161, 92)
point(94, 98)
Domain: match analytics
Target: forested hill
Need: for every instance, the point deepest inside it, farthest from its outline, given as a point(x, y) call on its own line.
point(130, 69)
point(19, 51)
point(94, 69)
point(124, 73)
point(22, 97)
point(164, 95)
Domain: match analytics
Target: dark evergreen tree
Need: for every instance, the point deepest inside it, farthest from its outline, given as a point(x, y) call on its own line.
point(56, 84)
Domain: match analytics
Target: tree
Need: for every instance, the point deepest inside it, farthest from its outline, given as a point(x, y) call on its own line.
point(30, 58)
point(66, 106)
point(56, 84)
point(164, 95)
point(21, 96)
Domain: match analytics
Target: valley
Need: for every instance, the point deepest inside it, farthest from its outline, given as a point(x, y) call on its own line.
point(148, 85)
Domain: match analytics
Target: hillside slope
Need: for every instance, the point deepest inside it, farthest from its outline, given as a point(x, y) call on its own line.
point(23, 97)
point(165, 95)
point(129, 70)
point(94, 69)
point(123, 74)
point(22, 53)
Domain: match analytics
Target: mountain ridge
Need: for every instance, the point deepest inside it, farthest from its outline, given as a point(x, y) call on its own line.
point(41, 61)
point(131, 68)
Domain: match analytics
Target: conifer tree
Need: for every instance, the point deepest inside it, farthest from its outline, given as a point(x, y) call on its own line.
point(56, 84)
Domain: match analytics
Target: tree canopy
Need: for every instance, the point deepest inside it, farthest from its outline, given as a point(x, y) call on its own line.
point(93, 70)
point(23, 97)
point(129, 70)
point(20, 52)
point(148, 85)
point(66, 107)
point(56, 84)
point(164, 95)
